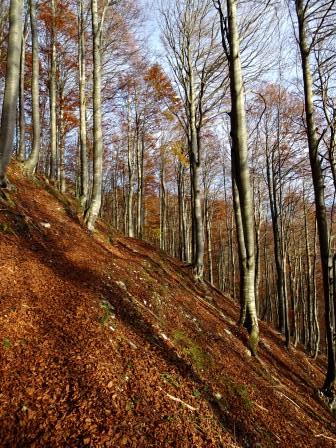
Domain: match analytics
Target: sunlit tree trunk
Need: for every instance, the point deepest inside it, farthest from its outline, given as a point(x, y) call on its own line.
point(11, 92)
point(163, 205)
point(32, 161)
point(96, 198)
point(61, 143)
point(318, 183)
point(22, 120)
point(195, 165)
point(315, 312)
point(52, 92)
point(140, 180)
point(131, 162)
point(241, 174)
point(181, 211)
point(84, 171)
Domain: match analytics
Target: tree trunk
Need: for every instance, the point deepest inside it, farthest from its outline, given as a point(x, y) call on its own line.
point(84, 171)
point(130, 154)
point(8, 116)
point(32, 161)
point(240, 162)
point(163, 205)
point(321, 213)
point(52, 92)
point(22, 120)
point(195, 170)
point(61, 145)
point(95, 203)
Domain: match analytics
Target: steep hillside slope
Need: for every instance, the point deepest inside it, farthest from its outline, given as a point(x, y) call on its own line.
point(107, 342)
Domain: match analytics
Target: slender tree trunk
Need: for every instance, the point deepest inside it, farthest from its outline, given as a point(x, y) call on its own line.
point(61, 145)
point(233, 263)
point(52, 91)
point(142, 187)
point(195, 169)
point(321, 213)
point(315, 312)
point(163, 205)
point(272, 192)
point(309, 279)
point(181, 209)
point(8, 116)
point(139, 158)
point(22, 120)
point(84, 171)
point(130, 155)
point(32, 161)
point(257, 223)
point(96, 199)
point(208, 238)
point(240, 162)
point(239, 232)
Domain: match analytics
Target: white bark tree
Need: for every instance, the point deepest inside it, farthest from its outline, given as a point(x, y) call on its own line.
point(8, 116)
point(240, 171)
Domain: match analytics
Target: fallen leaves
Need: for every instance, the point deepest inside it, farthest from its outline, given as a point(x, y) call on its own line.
point(68, 379)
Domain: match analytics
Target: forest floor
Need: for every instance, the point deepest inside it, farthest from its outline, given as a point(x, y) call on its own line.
point(107, 342)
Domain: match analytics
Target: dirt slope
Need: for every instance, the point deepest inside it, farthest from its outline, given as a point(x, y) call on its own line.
point(106, 342)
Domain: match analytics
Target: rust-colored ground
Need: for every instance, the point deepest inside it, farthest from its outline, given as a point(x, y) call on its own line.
point(106, 342)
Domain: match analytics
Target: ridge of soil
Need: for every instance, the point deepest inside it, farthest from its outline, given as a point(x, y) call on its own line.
point(107, 342)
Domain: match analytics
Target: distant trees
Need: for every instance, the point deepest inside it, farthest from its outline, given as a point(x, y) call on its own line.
point(11, 91)
point(193, 46)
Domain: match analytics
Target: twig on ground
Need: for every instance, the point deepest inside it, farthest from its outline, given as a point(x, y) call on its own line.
point(295, 404)
point(326, 437)
point(179, 400)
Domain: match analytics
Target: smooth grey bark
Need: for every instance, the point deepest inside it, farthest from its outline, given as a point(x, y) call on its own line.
point(84, 170)
point(8, 117)
point(233, 260)
point(309, 280)
point(194, 143)
point(318, 183)
point(32, 161)
point(198, 256)
point(22, 120)
point(241, 175)
point(140, 182)
point(257, 225)
point(208, 233)
point(52, 96)
point(95, 203)
point(61, 142)
point(181, 211)
point(163, 205)
point(131, 174)
point(317, 334)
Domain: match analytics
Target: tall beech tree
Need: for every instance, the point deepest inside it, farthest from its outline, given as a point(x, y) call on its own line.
point(84, 169)
point(31, 163)
point(243, 203)
point(308, 35)
point(52, 92)
point(7, 129)
point(95, 201)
